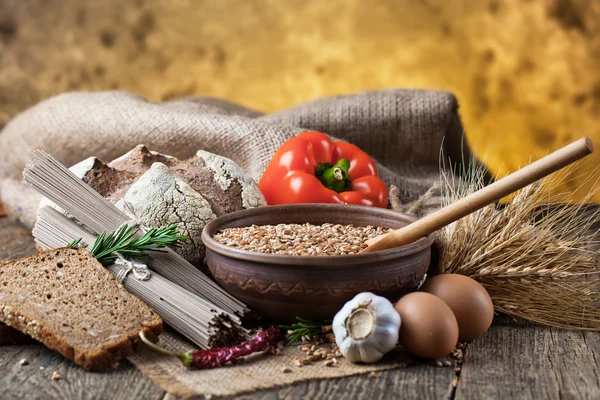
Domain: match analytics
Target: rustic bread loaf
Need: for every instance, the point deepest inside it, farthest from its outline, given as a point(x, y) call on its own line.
point(161, 190)
point(68, 301)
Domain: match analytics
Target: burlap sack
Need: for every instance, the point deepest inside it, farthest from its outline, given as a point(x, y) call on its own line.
point(404, 130)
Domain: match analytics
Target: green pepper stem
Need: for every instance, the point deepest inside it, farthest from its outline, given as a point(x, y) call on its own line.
point(186, 358)
point(335, 177)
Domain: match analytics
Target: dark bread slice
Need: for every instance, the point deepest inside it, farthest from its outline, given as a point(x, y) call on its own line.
point(68, 301)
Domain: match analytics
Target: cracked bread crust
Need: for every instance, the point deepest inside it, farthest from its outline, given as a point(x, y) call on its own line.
point(68, 301)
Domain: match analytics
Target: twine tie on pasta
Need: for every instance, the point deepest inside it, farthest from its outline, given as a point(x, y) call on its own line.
point(139, 269)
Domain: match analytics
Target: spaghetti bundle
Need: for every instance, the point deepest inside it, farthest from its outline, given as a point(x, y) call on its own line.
point(181, 294)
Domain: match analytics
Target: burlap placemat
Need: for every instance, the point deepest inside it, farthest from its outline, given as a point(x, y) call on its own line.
point(263, 371)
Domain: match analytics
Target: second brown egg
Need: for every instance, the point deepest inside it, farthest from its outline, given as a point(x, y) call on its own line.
point(469, 301)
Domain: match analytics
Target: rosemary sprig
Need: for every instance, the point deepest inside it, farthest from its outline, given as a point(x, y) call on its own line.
point(305, 327)
point(107, 246)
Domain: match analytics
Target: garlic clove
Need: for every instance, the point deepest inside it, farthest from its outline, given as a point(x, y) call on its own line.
point(352, 352)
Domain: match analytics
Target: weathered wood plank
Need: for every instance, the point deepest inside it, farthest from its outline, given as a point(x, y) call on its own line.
point(520, 360)
point(419, 381)
point(32, 382)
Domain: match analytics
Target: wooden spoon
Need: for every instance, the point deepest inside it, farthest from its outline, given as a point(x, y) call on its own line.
point(489, 194)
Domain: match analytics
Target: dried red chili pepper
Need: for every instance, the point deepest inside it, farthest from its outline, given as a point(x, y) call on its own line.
point(211, 358)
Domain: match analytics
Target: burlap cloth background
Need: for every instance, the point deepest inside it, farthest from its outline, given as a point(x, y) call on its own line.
point(404, 130)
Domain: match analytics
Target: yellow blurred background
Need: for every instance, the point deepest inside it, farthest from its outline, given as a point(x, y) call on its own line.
point(526, 72)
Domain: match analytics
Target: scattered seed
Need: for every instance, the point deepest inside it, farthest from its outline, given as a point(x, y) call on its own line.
point(328, 363)
point(56, 375)
point(24, 361)
point(298, 363)
point(439, 364)
point(372, 374)
point(286, 370)
point(42, 368)
point(447, 363)
point(335, 361)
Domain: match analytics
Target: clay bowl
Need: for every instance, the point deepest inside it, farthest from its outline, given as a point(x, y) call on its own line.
point(313, 287)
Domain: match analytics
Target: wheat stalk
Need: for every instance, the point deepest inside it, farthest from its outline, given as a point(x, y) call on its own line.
point(536, 255)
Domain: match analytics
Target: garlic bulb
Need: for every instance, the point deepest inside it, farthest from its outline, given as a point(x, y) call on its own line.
point(366, 328)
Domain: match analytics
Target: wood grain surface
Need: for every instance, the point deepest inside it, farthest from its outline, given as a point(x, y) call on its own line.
point(520, 360)
point(514, 360)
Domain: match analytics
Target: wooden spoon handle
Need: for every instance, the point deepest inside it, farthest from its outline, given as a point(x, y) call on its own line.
point(487, 195)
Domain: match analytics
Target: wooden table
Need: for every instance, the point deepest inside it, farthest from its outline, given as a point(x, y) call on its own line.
point(512, 361)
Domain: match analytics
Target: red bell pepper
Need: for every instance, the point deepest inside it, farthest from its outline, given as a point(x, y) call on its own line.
point(310, 168)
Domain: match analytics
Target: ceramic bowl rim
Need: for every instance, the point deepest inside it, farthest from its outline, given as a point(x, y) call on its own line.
point(306, 261)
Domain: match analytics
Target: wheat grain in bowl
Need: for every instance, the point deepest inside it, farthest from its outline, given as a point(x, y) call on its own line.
point(300, 239)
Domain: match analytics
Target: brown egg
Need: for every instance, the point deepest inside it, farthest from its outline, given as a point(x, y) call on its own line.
point(469, 301)
point(428, 327)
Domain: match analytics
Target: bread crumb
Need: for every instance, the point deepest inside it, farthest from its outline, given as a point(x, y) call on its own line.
point(24, 361)
point(56, 375)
